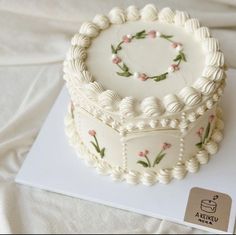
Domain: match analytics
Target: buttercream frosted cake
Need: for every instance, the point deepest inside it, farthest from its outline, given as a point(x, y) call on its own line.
point(145, 86)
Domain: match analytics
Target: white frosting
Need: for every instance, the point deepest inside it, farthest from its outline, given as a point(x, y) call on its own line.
point(91, 160)
point(217, 136)
point(202, 33)
point(117, 16)
point(172, 103)
point(211, 45)
point(203, 157)
point(164, 122)
point(85, 77)
point(210, 104)
point(149, 178)
point(192, 165)
point(219, 112)
point(211, 147)
point(74, 67)
point(141, 125)
point(192, 117)
point(174, 123)
point(213, 73)
point(166, 15)
point(151, 107)
point(191, 25)
point(117, 174)
point(190, 96)
point(133, 177)
point(80, 40)
point(89, 29)
point(127, 107)
point(205, 85)
point(215, 59)
point(164, 176)
point(153, 123)
point(76, 52)
point(132, 13)
point(201, 110)
point(149, 13)
point(101, 21)
point(109, 100)
point(180, 18)
point(220, 124)
point(179, 171)
point(103, 168)
point(93, 89)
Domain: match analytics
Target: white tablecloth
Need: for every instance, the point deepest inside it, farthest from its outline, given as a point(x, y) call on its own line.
point(34, 37)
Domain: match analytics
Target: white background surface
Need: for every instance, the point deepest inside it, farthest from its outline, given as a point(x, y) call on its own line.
point(58, 169)
point(34, 37)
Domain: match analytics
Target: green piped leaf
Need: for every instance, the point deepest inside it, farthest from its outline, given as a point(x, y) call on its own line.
point(183, 57)
point(159, 77)
point(144, 164)
point(199, 145)
point(124, 74)
point(158, 159)
point(207, 132)
point(95, 146)
point(140, 35)
point(125, 68)
point(177, 58)
point(102, 152)
point(166, 36)
point(113, 50)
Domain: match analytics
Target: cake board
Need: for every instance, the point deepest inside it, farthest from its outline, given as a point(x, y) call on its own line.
point(53, 165)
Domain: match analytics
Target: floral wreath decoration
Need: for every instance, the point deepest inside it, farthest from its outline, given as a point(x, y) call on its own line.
point(125, 70)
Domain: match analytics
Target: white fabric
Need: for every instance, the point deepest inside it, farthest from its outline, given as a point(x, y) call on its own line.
point(34, 37)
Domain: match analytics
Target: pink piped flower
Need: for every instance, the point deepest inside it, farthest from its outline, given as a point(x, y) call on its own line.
point(152, 34)
point(146, 152)
point(166, 146)
point(92, 132)
point(116, 60)
point(211, 118)
point(127, 38)
point(175, 66)
point(143, 77)
point(174, 44)
point(141, 154)
point(200, 131)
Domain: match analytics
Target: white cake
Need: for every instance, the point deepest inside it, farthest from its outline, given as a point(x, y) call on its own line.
point(145, 86)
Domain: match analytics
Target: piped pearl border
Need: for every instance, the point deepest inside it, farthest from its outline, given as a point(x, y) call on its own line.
point(164, 176)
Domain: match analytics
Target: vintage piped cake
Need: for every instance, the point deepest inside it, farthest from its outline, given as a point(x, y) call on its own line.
point(145, 85)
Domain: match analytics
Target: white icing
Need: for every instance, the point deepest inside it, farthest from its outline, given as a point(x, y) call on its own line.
point(219, 112)
point(217, 136)
point(89, 29)
point(127, 107)
point(101, 21)
point(91, 160)
point(166, 15)
point(220, 124)
point(74, 67)
point(179, 171)
point(151, 107)
point(192, 165)
point(202, 33)
point(149, 13)
point(201, 110)
point(210, 45)
point(174, 123)
point(191, 25)
point(132, 13)
point(93, 89)
point(190, 96)
point(164, 176)
point(80, 40)
point(213, 73)
point(117, 174)
point(133, 177)
point(203, 157)
point(172, 103)
point(192, 117)
point(211, 147)
point(215, 59)
point(205, 85)
point(103, 168)
point(117, 16)
point(216, 97)
point(180, 18)
point(85, 77)
point(153, 123)
point(149, 178)
point(209, 104)
point(109, 100)
point(164, 122)
point(76, 52)
point(141, 125)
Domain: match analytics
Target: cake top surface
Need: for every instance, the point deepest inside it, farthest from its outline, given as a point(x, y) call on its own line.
point(145, 61)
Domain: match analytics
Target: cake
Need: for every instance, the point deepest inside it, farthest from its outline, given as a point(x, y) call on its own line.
point(145, 86)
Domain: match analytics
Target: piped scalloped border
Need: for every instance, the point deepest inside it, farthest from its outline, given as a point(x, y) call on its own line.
point(164, 176)
point(188, 97)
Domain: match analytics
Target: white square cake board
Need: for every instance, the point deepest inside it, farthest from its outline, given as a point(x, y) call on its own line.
point(53, 165)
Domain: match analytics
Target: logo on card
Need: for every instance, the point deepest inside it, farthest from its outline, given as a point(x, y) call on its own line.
point(208, 208)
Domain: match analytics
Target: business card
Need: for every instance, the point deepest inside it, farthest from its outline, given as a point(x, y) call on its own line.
point(208, 208)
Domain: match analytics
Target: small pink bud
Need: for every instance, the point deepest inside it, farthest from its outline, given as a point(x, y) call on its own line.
point(141, 154)
point(116, 60)
point(174, 44)
point(211, 118)
point(152, 34)
point(143, 77)
point(146, 152)
point(92, 132)
point(127, 39)
point(200, 131)
point(166, 146)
